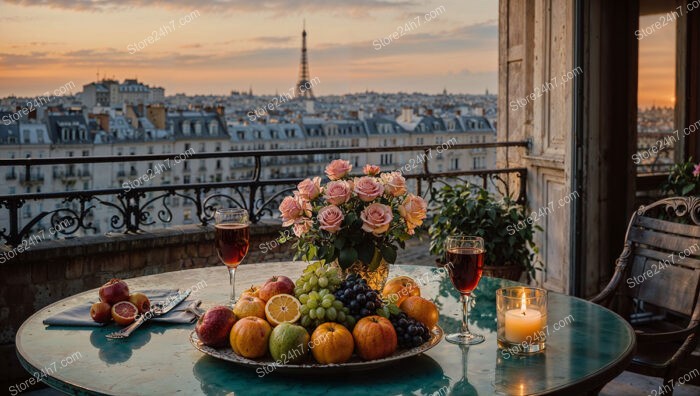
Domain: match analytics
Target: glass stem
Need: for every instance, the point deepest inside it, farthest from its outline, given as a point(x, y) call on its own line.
point(232, 280)
point(465, 313)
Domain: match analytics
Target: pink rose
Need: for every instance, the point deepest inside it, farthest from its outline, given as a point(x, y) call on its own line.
point(338, 192)
point(337, 169)
point(394, 183)
point(371, 170)
point(376, 218)
point(696, 171)
point(413, 210)
point(302, 226)
point(293, 208)
point(330, 218)
point(368, 188)
point(309, 189)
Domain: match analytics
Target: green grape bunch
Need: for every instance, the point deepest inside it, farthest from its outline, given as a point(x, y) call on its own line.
point(315, 292)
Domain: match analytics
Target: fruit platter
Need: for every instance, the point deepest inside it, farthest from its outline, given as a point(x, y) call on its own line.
point(321, 322)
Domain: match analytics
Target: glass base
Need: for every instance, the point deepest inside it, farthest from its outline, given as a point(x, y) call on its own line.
point(523, 348)
point(465, 338)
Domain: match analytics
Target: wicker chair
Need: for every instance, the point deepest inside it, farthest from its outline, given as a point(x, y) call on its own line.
point(656, 285)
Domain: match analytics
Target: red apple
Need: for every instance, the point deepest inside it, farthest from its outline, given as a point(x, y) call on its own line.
point(114, 291)
point(101, 312)
point(214, 327)
point(274, 286)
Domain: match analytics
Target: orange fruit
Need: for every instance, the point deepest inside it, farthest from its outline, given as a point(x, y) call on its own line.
point(252, 292)
point(399, 289)
point(331, 343)
point(375, 337)
point(421, 310)
point(124, 313)
point(282, 308)
point(249, 337)
point(249, 306)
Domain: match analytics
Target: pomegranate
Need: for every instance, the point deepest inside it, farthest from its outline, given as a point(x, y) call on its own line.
point(114, 291)
point(214, 327)
point(141, 302)
point(101, 312)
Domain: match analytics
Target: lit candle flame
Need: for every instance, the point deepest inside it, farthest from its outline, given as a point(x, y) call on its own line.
point(523, 306)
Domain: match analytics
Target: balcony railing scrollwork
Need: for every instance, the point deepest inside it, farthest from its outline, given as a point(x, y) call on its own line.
point(134, 209)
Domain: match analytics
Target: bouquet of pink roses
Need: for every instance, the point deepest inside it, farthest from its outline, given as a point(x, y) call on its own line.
point(349, 219)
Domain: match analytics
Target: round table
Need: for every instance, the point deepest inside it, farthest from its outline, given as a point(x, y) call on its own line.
point(583, 352)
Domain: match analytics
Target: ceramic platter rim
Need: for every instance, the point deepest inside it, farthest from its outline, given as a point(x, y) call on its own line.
point(355, 364)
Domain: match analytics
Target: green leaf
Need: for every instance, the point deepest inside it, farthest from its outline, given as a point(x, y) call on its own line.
point(322, 251)
point(376, 260)
point(347, 257)
point(350, 218)
point(389, 253)
point(688, 188)
point(365, 253)
point(339, 243)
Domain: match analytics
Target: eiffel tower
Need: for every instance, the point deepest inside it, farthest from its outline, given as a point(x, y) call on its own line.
point(303, 89)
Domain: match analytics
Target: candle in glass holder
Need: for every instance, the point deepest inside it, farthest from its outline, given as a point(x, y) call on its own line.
point(523, 324)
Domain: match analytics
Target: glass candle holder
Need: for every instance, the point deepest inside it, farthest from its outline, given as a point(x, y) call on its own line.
point(522, 319)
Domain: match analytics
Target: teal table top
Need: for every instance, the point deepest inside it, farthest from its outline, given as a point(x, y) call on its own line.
point(587, 346)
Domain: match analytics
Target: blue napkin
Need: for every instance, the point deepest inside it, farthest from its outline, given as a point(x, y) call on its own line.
point(80, 315)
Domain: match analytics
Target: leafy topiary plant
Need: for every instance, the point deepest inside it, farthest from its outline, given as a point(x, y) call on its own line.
point(467, 209)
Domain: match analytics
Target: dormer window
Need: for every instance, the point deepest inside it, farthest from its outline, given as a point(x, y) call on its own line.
point(213, 128)
point(198, 128)
point(185, 127)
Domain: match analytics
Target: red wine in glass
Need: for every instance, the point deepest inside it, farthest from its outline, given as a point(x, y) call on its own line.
point(232, 240)
point(467, 264)
point(232, 243)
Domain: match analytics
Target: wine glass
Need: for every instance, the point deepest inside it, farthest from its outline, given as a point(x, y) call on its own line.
point(465, 262)
point(232, 241)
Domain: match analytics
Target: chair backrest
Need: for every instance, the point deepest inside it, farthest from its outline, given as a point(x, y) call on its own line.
point(664, 265)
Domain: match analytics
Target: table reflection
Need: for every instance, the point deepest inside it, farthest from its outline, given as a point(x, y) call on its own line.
point(519, 374)
point(463, 387)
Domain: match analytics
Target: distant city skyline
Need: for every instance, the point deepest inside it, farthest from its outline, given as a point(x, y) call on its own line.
point(214, 47)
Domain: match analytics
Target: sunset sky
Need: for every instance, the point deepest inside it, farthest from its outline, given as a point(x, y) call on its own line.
point(236, 44)
point(657, 63)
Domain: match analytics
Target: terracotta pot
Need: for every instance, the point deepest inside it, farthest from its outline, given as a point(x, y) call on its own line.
point(510, 272)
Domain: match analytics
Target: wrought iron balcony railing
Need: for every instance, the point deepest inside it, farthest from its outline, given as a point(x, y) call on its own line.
point(146, 204)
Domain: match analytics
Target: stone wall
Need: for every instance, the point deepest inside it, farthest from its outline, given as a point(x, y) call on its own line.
point(53, 270)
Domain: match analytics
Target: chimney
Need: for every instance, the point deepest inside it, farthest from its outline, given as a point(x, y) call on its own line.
point(221, 110)
point(156, 114)
point(459, 113)
point(429, 112)
point(407, 114)
point(102, 120)
point(354, 114)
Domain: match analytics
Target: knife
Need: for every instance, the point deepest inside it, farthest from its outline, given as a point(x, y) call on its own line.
point(156, 311)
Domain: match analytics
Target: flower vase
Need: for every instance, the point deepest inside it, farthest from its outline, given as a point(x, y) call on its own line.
point(376, 276)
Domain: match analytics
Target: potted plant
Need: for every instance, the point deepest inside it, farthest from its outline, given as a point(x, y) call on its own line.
point(508, 233)
point(358, 222)
point(683, 180)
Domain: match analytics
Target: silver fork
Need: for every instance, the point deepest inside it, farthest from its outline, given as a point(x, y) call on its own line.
point(156, 310)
